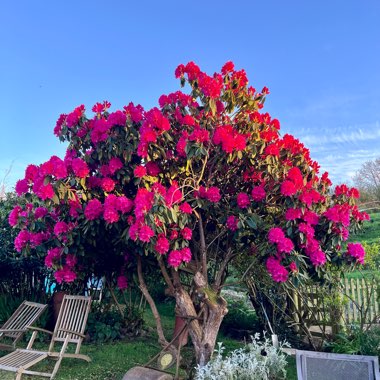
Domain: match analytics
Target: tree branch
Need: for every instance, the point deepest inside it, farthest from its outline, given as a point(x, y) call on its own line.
point(161, 337)
point(223, 265)
point(166, 275)
point(203, 251)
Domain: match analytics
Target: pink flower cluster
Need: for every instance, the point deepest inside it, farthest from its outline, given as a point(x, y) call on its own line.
point(258, 193)
point(162, 245)
point(229, 138)
point(232, 223)
point(357, 251)
point(243, 200)
point(277, 271)
point(178, 256)
point(277, 236)
point(339, 214)
point(53, 256)
point(212, 194)
point(122, 282)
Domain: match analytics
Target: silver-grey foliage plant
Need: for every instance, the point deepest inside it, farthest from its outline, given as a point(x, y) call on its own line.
point(255, 361)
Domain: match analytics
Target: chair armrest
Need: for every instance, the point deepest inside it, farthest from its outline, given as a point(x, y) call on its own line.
point(72, 332)
point(39, 329)
point(11, 330)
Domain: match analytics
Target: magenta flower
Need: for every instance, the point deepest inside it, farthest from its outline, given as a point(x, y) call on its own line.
point(277, 271)
point(122, 282)
point(232, 223)
point(110, 215)
point(162, 245)
point(114, 165)
point(145, 233)
point(186, 254)
point(185, 208)
point(22, 187)
point(61, 228)
point(140, 171)
point(213, 194)
point(292, 214)
point(80, 168)
point(317, 257)
point(21, 240)
point(285, 245)
point(40, 212)
point(357, 251)
point(93, 209)
point(258, 193)
point(243, 200)
point(13, 216)
point(288, 188)
point(175, 258)
point(186, 233)
point(124, 205)
point(152, 169)
point(107, 184)
point(275, 235)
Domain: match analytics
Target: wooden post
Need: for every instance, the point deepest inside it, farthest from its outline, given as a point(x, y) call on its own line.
point(354, 311)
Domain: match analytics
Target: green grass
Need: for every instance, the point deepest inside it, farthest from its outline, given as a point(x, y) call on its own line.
point(370, 232)
point(111, 361)
point(367, 274)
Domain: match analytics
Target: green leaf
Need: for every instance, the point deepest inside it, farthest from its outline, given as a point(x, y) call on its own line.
point(212, 105)
point(174, 215)
point(251, 223)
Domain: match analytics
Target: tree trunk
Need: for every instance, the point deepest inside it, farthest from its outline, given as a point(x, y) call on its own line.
point(204, 326)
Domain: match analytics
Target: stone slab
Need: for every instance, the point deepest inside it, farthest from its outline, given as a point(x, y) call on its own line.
point(142, 373)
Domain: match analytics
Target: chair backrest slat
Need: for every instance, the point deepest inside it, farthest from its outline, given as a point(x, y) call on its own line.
point(24, 316)
point(72, 316)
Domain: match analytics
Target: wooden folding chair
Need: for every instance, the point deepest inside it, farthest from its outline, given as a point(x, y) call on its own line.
point(18, 323)
point(69, 329)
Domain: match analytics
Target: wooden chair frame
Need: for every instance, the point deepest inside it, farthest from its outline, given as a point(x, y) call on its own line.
point(301, 356)
point(18, 323)
point(69, 329)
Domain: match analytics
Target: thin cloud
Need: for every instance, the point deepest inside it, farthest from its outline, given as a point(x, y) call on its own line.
point(342, 151)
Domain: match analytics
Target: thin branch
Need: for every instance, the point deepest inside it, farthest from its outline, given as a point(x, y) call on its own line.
point(114, 298)
point(161, 337)
point(203, 250)
point(166, 275)
point(215, 238)
point(223, 265)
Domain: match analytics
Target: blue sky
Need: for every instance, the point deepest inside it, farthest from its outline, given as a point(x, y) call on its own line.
point(320, 60)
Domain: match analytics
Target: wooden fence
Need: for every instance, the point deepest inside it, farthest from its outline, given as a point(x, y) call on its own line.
point(360, 300)
point(356, 301)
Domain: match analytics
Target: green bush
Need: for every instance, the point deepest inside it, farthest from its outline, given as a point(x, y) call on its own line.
point(357, 341)
point(372, 257)
point(241, 320)
point(106, 324)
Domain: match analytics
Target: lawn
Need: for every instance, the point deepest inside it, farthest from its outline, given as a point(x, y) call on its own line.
point(111, 361)
point(371, 230)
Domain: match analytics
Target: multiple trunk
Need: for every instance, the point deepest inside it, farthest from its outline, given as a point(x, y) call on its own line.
point(203, 312)
point(204, 325)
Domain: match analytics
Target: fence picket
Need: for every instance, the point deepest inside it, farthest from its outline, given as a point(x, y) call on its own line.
point(354, 310)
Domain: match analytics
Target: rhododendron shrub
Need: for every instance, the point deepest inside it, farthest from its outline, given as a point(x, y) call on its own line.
point(197, 182)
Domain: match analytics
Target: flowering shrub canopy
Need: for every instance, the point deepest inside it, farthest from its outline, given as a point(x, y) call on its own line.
point(137, 180)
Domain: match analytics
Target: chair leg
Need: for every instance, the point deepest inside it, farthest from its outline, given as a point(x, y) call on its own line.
point(60, 357)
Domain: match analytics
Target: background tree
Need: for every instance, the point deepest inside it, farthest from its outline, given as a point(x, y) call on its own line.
point(198, 183)
point(367, 180)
